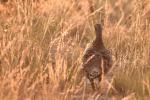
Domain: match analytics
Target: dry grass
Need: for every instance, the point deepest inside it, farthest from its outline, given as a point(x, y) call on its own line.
point(33, 35)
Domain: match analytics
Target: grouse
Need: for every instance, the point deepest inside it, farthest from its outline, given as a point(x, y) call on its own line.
point(96, 58)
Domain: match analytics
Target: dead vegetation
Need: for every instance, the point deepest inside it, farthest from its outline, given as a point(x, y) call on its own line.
point(33, 34)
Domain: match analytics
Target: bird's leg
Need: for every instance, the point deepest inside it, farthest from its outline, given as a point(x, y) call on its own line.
point(92, 84)
point(99, 79)
point(91, 81)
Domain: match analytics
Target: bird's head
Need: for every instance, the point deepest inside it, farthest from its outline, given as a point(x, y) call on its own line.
point(98, 29)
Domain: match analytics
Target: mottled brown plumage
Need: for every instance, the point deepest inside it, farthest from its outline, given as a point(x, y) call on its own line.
point(94, 55)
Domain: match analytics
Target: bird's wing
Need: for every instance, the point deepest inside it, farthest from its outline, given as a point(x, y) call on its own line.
point(107, 61)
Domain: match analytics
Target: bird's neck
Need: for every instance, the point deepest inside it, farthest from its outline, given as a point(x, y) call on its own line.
point(98, 41)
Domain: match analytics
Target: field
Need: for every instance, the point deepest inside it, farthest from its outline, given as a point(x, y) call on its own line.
point(42, 43)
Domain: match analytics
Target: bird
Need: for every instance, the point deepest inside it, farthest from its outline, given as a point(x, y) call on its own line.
point(96, 60)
